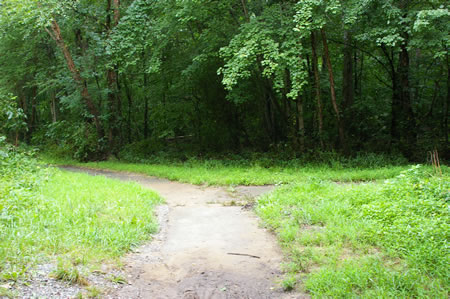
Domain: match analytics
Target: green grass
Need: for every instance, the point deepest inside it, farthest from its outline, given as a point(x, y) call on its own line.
point(247, 172)
point(66, 271)
point(372, 240)
point(82, 218)
point(347, 232)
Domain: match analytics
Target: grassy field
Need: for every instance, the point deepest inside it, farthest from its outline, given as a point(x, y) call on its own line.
point(49, 215)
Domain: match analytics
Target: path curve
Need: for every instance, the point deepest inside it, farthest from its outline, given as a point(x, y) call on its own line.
point(204, 249)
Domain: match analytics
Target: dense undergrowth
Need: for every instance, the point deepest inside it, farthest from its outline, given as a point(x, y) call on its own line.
point(365, 240)
point(46, 214)
point(250, 168)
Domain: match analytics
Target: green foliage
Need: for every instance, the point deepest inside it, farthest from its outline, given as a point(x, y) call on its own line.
point(20, 175)
point(228, 74)
point(46, 213)
point(371, 240)
point(413, 211)
point(369, 278)
point(76, 140)
point(254, 170)
point(66, 271)
point(117, 279)
point(6, 293)
point(266, 47)
point(313, 14)
point(12, 118)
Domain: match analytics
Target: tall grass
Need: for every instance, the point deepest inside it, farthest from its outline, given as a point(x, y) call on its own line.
point(258, 170)
point(365, 240)
point(46, 213)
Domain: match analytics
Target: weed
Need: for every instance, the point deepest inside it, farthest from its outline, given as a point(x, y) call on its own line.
point(66, 271)
point(5, 292)
point(367, 240)
point(117, 279)
point(289, 282)
point(93, 292)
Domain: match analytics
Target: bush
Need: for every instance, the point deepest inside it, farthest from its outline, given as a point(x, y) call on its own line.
point(70, 140)
point(11, 116)
point(411, 218)
point(19, 176)
point(371, 240)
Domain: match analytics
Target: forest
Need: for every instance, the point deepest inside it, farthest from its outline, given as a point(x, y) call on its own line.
point(325, 120)
point(94, 78)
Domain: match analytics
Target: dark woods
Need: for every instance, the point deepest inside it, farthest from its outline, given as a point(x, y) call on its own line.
point(96, 78)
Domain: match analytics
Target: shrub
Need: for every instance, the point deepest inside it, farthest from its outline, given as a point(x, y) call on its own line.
point(19, 176)
point(411, 218)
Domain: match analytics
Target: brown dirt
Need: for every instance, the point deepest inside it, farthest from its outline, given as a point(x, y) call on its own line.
point(190, 256)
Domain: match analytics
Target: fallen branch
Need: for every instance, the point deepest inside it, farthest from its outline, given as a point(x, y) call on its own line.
point(244, 254)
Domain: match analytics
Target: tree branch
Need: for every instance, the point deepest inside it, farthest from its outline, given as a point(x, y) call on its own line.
point(362, 50)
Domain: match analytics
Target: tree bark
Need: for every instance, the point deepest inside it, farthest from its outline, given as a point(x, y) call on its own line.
point(54, 108)
point(130, 105)
point(33, 114)
point(116, 12)
point(291, 124)
point(446, 104)
point(145, 106)
point(244, 8)
point(333, 91)
point(112, 79)
point(347, 88)
point(301, 123)
point(81, 82)
point(315, 66)
point(409, 129)
point(360, 75)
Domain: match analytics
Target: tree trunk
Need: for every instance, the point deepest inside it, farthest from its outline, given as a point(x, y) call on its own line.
point(287, 107)
point(395, 109)
point(360, 75)
point(347, 88)
point(116, 12)
point(145, 105)
point(113, 100)
point(53, 108)
point(130, 104)
point(81, 82)
point(446, 104)
point(301, 123)
point(275, 111)
point(409, 130)
point(315, 66)
point(113, 86)
point(332, 90)
point(244, 8)
point(403, 131)
point(33, 114)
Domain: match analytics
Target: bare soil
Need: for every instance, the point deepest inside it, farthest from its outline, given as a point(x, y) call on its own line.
point(204, 249)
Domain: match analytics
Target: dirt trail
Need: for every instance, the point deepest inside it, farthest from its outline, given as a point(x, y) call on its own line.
point(190, 256)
